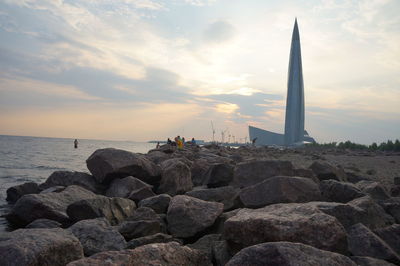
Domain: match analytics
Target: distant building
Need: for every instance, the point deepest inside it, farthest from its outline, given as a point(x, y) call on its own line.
point(294, 120)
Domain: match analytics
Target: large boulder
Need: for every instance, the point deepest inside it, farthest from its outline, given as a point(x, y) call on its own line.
point(363, 242)
point(373, 189)
point(198, 170)
point(188, 216)
point(68, 178)
point(221, 253)
point(44, 223)
point(176, 178)
point(368, 261)
point(158, 203)
point(141, 194)
point(51, 206)
point(156, 238)
point(287, 254)
point(96, 235)
point(325, 171)
point(37, 247)
point(391, 235)
point(253, 172)
point(218, 175)
point(333, 190)
point(156, 156)
point(392, 207)
point(160, 254)
point(115, 210)
point(108, 164)
point(121, 188)
point(280, 189)
point(205, 244)
point(16, 192)
point(229, 196)
point(292, 222)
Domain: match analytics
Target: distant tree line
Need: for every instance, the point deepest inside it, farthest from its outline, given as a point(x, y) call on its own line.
point(384, 146)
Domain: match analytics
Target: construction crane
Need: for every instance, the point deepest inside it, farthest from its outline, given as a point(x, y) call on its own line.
point(213, 130)
point(223, 135)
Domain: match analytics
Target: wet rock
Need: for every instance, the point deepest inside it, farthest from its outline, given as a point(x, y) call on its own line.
point(198, 170)
point(162, 254)
point(108, 164)
point(325, 171)
point(43, 223)
point(229, 196)
point(287, 254)
point(158, 203)
point(292, 222)
point(218, 175)
point(374, 189)
point(253, 172)
point(176, 178)
point(363, 242)
point(391, 235)
point(280, 189)
point(51, 206)
point(156, 238)
point(141, 194)
point(368, 261)
point(115, 210)
point(333, 190)
point(37, 247)
point(188, 216)
point(68, 178)
point(122, 188)
point(96, 235)
point(16, 192)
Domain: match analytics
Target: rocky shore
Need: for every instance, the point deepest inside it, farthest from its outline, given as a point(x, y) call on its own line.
point(211, 206)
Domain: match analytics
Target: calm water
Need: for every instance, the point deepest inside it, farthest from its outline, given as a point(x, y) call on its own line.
point(24, 159)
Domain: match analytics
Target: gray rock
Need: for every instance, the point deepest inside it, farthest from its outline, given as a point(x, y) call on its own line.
point(292, 222)
point(280, 189)
point(141, 194)
point(43, 223)
point(144, 213)
point(156, 238)
point(325, 171)
point(333, 190)
point(68, 178)
point(51, 206)
point(53, 189)
point(363, 242)
point(188, 216)
point(121, 188)
point(205, 245)
point(253, 172)
point(392, 207)
point(229, 196)
point(218, 175)
point(374, 189)
point(16, 192)
point(368, 261)
point(395, 191)
point(158, 203)
point(391, 235)
point(302, 172)
point(96, 235)
point(157, 156)
point(287, 254)
point(160, 254)
point(176, 178)
point(221, 253)
point(37, 247)
point(220, 222)
point(198, 170)
point(108, 164)
point(115, 210)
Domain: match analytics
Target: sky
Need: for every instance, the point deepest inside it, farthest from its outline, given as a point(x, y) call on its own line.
point(150, 69)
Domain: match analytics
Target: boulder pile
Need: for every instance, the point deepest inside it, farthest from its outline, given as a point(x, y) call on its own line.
point(206, 205)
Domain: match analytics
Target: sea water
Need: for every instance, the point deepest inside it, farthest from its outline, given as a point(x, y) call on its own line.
point(25, 159)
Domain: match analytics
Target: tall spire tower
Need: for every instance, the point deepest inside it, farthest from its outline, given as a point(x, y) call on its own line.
point(294, 120)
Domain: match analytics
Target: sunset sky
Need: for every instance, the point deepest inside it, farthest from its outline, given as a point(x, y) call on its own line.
point(151, 69)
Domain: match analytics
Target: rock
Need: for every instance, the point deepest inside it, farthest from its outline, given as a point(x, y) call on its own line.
point(336, 191)
point(280, 189)
point(115, 210)
point(108, 164)
point(176, 178)
point(302, 172)
point(292, 222)
point(396, 181)
point(391, 235)
point(188, 216)
point(156, 156)
point(221, 253)
point(43, 223)
point(52, 189)
point(205, 245)
point(198, 170)
point(156, 238)
point(287, 254)
point(51, 206)
point(368, 261)
point(374, 189)
point(135, 229)
point(395, 191)
point(96, 235)
point(374, 216)
point(161, 254)
point(144, 213)
point(36, 247)
point(68, 178)
point(229, 196)
point(363, 242)
point(16, 192)
point(220, 222)
point(158, 203)
point(121, 188)
point(253, 172)
point(218, 175)
point(354, 177)
point(325, 171)
point(392, 207)
point(141, 194)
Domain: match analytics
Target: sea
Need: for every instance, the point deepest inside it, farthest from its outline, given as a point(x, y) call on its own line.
point(24, 159)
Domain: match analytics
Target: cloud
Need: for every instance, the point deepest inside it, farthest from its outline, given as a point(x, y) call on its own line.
point(219, 32)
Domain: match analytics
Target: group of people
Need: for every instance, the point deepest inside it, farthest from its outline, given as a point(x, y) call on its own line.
point(179, 142)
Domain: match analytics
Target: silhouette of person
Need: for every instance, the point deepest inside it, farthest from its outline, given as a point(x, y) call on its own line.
point(75, 143)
